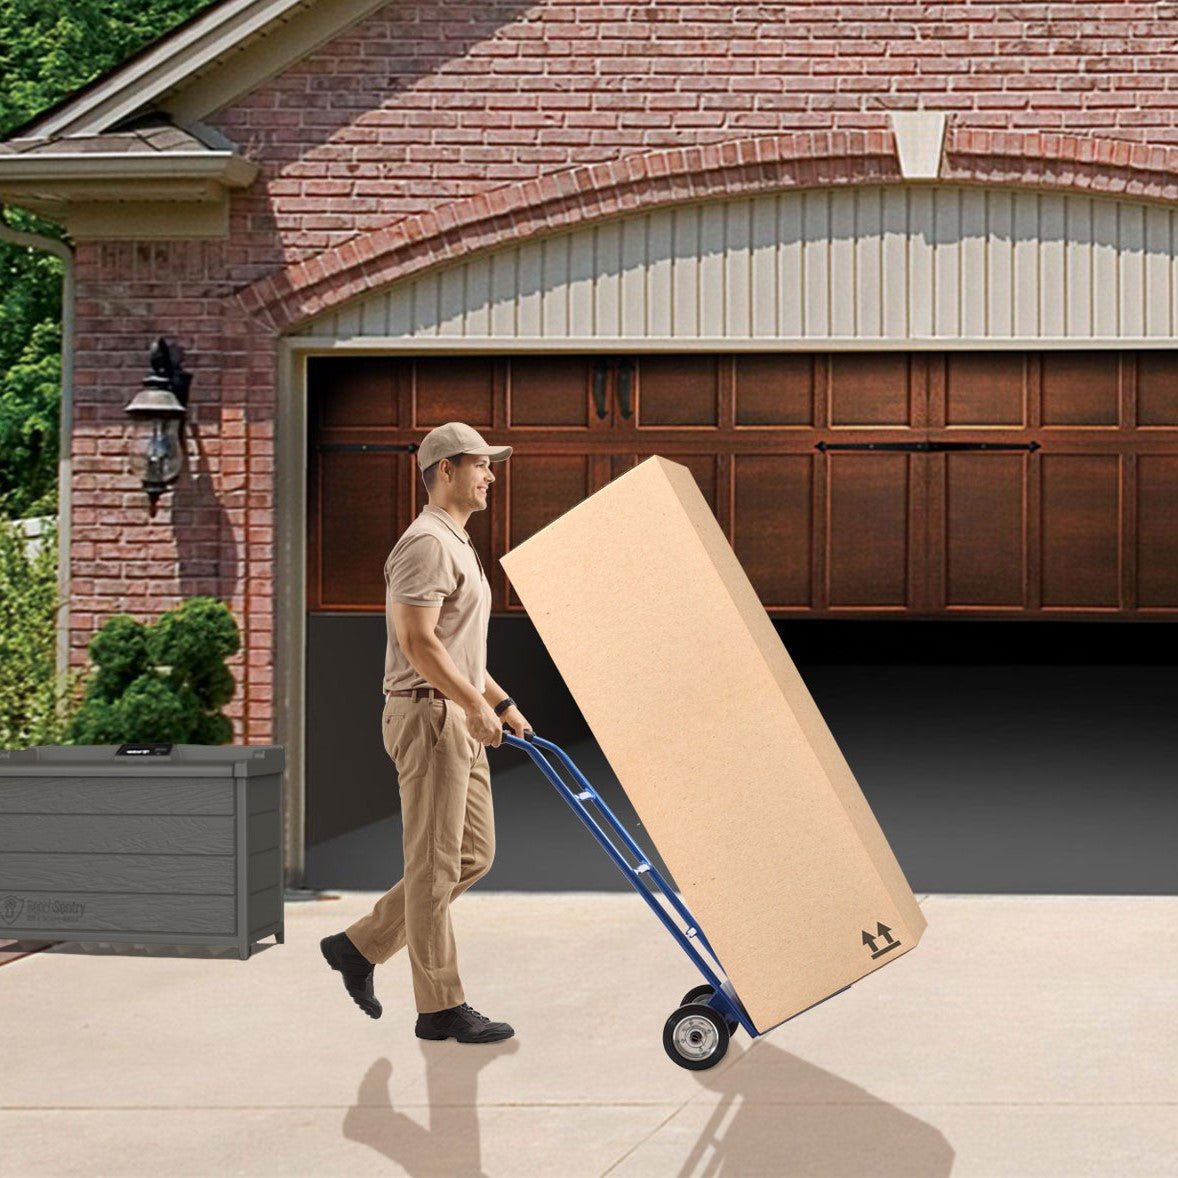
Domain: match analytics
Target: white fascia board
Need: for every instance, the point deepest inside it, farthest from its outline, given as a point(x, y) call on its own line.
point(287, 42)
point(474, 346)
point(157, 71)
point(224, 166)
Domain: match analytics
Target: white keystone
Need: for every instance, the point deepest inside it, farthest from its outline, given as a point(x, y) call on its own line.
point(919, 136)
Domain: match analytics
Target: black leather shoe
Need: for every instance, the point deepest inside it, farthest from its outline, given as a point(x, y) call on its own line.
point(341, 954)
point(463, 1024)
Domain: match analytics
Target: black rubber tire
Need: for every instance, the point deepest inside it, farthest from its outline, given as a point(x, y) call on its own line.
point(702, 994)
point(696, 1037)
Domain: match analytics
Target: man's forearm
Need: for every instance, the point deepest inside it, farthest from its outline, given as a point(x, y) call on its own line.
point(432, 661)
point(493, 694)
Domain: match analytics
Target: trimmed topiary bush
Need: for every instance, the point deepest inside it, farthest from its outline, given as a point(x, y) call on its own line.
point(161, 682)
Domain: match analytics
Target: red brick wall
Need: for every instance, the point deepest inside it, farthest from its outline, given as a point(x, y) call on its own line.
point(414, 116)
point(214, 533)
point(428, 102)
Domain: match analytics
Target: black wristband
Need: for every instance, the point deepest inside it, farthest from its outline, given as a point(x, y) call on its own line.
point(503, 705)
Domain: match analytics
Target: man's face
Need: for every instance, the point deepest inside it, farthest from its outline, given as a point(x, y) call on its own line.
point(472, 480)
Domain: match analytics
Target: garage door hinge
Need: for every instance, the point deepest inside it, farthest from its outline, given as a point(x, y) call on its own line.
point(366, 447)
point(926, 447)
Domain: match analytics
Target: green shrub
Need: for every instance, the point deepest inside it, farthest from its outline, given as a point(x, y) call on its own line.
point(162, 682)
point(35, 708)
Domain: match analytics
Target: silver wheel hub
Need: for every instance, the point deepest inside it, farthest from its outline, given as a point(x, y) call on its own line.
point(696, 1037)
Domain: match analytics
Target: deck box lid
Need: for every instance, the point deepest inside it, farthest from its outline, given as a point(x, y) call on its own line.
point(710, 729)
point(147, 759)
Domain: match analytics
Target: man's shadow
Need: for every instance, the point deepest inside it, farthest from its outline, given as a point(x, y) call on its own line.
point(449, 1144)
point(776, 1115)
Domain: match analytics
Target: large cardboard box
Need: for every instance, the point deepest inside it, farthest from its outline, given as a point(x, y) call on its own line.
point(681, 677)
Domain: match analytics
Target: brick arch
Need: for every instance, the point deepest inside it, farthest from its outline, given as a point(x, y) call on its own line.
point(638, 182)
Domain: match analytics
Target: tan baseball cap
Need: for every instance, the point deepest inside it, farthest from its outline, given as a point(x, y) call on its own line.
point(456, 438)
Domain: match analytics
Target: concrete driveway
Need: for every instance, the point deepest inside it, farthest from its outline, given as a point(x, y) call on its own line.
point(1024, 1036)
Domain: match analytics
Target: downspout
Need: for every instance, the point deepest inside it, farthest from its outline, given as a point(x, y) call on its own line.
point(65, 442)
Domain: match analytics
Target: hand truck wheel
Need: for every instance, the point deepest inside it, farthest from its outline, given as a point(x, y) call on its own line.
point(696, 1037)
point(702, 994)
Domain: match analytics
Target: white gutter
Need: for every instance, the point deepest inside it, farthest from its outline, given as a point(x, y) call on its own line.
point(226, 166)
point(65, 441)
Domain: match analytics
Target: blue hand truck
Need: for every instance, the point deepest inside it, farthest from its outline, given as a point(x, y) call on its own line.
point(697, 1034)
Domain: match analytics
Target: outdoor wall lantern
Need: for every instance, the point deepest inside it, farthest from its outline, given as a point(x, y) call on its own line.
point(163, 405)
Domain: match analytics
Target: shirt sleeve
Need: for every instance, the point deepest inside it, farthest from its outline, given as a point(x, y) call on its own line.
point(420, 573)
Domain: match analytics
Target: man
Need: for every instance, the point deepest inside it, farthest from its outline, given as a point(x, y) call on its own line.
point(441, 709)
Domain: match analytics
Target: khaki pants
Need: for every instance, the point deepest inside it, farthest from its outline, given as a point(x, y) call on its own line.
point(449, 839)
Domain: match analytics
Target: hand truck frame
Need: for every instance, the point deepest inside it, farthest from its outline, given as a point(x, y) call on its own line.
point(697, 1034)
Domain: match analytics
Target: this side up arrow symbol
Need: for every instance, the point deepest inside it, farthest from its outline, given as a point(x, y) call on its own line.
point(881, 930)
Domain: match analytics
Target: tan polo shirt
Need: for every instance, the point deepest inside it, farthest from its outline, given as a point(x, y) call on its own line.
point(435, 563)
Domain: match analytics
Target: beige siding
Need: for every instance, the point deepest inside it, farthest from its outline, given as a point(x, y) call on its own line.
point(876, 264)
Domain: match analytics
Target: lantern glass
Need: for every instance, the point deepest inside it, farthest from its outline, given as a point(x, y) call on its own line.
point(158, 463)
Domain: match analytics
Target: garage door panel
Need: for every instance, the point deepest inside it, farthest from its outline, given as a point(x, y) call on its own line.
point(774, 390)
point(868, 389)
point(362, 497)
point(867, 529)
point(985, 529)
point(1080, 388)
point(677, 390)
point(1157, 531)
point(1080, 495)
point(985, 389)
point(773, 533)
point(445, 391)
point(620, 463)
point(1157, 389)
point(539, 488)
point(704, 469)
point(355, 392)
point(548, 391)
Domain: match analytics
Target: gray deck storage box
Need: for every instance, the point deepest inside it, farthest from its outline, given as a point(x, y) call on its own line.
point(150, 843)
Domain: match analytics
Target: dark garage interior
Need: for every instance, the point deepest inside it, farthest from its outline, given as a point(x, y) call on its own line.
point(999, 757)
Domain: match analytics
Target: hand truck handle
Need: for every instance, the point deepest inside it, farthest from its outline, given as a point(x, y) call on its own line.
point(528, 733)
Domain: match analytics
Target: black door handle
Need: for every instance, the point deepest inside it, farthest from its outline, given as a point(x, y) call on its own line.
point(625, 378)
point(599, 374)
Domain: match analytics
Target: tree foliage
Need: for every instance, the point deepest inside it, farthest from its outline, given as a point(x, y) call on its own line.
point(34, 707)
point(47, 51)
point(30, 399)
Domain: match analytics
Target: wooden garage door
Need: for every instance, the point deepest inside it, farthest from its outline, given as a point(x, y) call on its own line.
point(852, 484)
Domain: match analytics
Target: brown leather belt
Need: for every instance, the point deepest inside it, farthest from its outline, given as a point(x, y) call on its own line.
point(420, 693)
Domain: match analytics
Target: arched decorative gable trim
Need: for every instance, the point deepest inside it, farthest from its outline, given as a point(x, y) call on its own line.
point(580, 196)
